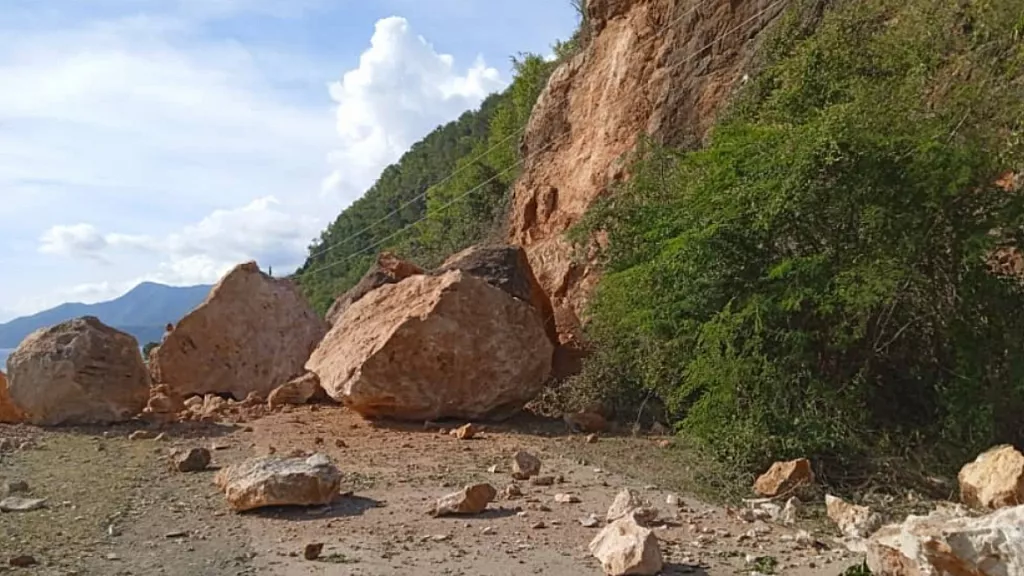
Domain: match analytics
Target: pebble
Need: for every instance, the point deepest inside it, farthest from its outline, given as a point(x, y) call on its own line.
point(590, 521)
point(22, 561)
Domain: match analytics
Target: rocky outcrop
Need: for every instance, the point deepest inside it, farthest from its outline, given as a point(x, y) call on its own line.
point(994, 480)
point(78, 372)
point(658, 67)
point(251, 334)
point(433, 347)
point(945, 545)
point(507, 268)
point(389, 269)
point(784, 477)
point(274, 481)
point(9, 413)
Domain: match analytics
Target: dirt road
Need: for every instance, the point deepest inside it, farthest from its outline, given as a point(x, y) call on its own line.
point(115, 507)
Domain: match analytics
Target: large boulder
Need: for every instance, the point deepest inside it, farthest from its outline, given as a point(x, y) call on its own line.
point(389, 269)
point(994, 479)
point(784, 477)
point(943, 544)
point(432, 347)
point(507, 268)
point(9, 413)
point(78, 372)
point(251, 334)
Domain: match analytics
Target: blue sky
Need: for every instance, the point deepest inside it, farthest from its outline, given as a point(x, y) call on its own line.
point(167, 140)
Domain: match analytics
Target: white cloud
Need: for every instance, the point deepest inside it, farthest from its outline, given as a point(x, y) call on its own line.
point(401, 90)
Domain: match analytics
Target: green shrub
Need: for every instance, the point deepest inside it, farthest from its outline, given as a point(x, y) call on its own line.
point(815, 282)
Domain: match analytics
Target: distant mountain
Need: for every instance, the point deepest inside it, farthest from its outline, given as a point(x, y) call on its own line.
point(142, 312)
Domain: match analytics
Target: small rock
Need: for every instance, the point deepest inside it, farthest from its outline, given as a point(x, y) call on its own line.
point(513, 491)
point(590, 521)
point(22, 561)
point(487, 531)
point(6, 445)
point(664, 443)
point(312, 550)
point(525, 465)
point(625, 547)
point(672, 500)
point(591, 439)
point(540, 525)
point(995, 479)
point(465, 432)
point(161, 437)
point(853, 521)
point(791, 512)
point(470, 500)
point(192, 460)
point(493, 469)
point(542, 480)
point(19, 504)
point(140, 435)
point(177, 534)
point(567, 499)
point(338, 442)
point(13, 487)
point(784, 477)
point(629, 503)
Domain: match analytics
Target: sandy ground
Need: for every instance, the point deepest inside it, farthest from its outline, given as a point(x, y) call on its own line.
point(115, 507)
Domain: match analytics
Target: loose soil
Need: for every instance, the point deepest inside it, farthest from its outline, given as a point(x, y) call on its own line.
point(115, 506)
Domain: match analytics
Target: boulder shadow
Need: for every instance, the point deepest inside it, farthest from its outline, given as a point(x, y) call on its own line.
point(344, 506)
point(675, 569)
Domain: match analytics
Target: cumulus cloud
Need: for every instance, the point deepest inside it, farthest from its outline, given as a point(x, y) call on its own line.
point(402, 89)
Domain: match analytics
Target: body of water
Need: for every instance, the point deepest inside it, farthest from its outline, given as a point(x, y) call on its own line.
point(4, 353)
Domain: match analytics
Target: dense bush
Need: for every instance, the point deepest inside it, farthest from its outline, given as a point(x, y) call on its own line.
point(815, 281)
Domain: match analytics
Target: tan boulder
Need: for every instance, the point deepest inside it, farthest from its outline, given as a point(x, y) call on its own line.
point(275, 481)
point(947, 545)
point(994, 480)
point(78, 372)
point(389, 269)
point(507, 268)
point(163, 404)
point(784, 477)
point(297, 391)
point(625, 547)
point(470, 500)
point(435, 347)
point(251, 334)
point(9, 413)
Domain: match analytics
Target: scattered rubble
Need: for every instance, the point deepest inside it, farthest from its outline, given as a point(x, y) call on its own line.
point(629, 503)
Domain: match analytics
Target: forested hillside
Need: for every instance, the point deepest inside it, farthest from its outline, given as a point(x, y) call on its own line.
point(453, 184)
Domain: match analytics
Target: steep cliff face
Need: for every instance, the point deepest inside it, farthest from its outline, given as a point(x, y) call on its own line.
point(657, 67)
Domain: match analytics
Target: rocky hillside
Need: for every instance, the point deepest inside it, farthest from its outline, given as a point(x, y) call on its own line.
point(771, 220)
